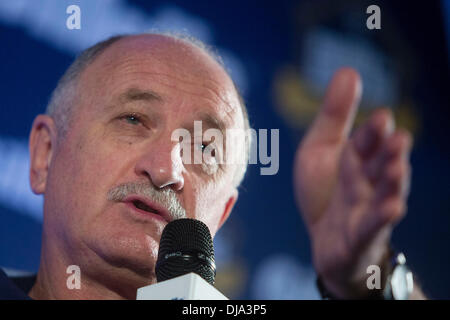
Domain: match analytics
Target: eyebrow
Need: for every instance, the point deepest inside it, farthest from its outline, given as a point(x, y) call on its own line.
point(135, 94)
point(210, 121)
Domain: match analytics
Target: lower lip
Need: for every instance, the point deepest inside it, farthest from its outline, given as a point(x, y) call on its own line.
point(143, 213)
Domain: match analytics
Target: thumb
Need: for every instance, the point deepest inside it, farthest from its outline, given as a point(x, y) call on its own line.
point(335, 118)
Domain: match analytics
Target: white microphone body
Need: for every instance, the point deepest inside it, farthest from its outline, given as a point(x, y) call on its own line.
point(186, 287)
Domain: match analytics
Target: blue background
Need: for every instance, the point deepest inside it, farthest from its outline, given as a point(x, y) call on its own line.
point(263, 251)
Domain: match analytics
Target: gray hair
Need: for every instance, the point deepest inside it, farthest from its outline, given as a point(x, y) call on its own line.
point(64, 96)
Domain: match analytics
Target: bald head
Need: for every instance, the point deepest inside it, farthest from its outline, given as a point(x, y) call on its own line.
point(173, 62)
point(171, 57)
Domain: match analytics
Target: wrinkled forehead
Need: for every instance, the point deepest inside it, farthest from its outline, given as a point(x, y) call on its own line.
point(177, 64)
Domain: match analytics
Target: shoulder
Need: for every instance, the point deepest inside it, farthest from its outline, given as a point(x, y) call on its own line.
point(15, 285)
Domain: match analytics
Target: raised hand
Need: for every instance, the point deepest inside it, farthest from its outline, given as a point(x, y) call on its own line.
point(351, 190)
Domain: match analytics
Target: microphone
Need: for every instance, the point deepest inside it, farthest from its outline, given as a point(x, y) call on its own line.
point(186, 246)
point(185, 268)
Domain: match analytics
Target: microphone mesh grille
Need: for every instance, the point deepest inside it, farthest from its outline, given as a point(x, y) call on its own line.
point(186, 237)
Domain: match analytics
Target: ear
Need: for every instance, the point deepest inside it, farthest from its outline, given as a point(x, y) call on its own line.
point(42, 143)
point(228, 207)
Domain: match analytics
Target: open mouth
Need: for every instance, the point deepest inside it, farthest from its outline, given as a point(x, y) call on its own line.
point(147, 207)
point(140, 205)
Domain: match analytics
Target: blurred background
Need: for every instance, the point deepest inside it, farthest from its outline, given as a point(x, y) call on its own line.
point(281, 54)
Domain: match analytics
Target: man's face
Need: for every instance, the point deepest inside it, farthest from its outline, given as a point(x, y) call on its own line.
point(131, 99)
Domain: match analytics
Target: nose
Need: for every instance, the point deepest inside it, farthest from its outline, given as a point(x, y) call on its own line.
point(162, 164)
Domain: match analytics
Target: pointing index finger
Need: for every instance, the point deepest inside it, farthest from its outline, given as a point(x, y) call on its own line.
point(335, 118)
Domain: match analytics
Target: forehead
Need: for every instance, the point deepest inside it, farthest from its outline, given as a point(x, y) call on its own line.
point(175, 69)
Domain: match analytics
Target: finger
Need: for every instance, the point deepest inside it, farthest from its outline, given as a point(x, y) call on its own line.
point(370, 136)
point(352, 179)
point(382, 214)
point(395, 181)
point(388, 205)
point(386, 213)
point(398, 144)
point(337, 113)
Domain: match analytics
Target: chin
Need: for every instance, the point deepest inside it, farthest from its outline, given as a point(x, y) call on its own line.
point(122, 245)
point(134, 255)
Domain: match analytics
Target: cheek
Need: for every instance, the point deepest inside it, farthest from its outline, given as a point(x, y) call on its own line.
point(84, 173)
point(104, 158)
point(210, 201)
point(102, 163)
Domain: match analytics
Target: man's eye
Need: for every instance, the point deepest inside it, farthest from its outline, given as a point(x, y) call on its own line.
point(202, 146)
point(132, 119)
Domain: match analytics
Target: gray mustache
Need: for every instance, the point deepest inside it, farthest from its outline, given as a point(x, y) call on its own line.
point(165, 197)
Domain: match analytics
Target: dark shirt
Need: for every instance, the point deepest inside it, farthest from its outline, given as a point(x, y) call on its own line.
point(15, 288)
